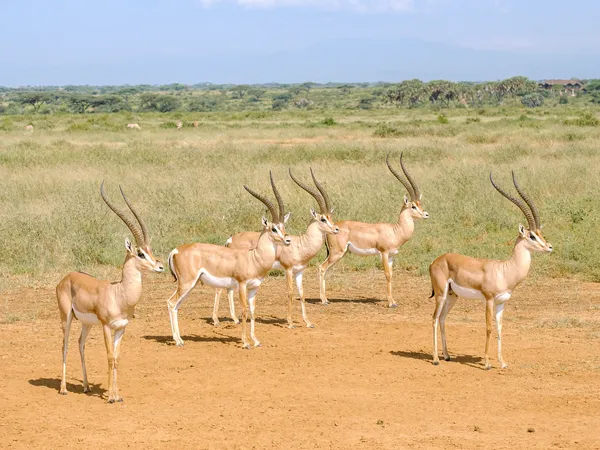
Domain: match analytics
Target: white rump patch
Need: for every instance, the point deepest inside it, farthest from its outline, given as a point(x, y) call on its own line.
point(218, 282)
point(228, 242)
point(465, 292)
point(277, 266)
point(119, 324)
point(362, 251)
point(86, 318)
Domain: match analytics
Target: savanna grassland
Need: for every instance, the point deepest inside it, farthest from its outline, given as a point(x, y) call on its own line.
point(362, 378)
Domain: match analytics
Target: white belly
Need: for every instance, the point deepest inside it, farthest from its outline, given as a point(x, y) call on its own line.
point(254, 283)
point(474, 294)
point(362, 251)
point(86, 318)
point(277, 266)
point(466, 292)
point(218, 282)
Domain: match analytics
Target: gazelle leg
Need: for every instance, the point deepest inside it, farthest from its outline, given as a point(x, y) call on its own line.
point(298, 278)
point(117, 347)
point(110, 353)
point(252, 302)
point(215, 318)
point(85, 330)
point(173, 308)
point(290, 288)
point(450, 301)
point(440, 301)
point(66, 327)
point(387, 268)
point(243, 294)
point(232, 306)
point(499, 309)
point(331, 260)
point(489, 308)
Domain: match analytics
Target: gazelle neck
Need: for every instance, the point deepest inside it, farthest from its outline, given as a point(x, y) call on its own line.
point(265, 252)
point(313, 236)
point(520, 261)
point(130, 287)
point(406, 223)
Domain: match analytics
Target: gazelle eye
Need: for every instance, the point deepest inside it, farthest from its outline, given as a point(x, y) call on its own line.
point(323, 220)
point(532, 236)
point(274, 230)
point(414, 207)
point(141, 255)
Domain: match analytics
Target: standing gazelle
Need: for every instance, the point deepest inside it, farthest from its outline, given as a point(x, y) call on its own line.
point(109, 304)
point(226, 268)
point(364, 239)
point(293, 259)
point(493, 281)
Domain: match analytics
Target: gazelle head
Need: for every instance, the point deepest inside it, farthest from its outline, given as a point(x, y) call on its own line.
point(142, 253)
point(532, 235)
point(272, 227)
point(323, 217)
point(413, 200)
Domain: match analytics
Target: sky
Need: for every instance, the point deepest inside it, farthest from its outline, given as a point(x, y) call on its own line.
point(254, 41)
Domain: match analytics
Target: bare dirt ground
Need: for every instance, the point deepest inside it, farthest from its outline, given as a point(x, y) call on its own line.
point(362, 378)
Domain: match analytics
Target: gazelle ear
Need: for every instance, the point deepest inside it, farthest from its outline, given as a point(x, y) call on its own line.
point(406, 200)
point(332, 209)
point(522, 231)
point(265, 222)
point(128, 245)
point(314, 214)
point(286, 217)
point(420, 197)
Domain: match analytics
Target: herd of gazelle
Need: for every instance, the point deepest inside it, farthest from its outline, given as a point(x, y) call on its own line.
point(247, 258)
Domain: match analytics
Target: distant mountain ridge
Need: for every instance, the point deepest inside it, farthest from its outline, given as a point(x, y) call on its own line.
point(337, 60)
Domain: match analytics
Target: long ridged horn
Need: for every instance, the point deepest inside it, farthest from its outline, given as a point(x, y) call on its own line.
point(322, 191)
point(518, 202)
point(277, 197)
point(411, 180)
point(311, 191)
point(137, 217)
point(406, 183)
point(267, 202)
point(139, 238)
point(532, 207)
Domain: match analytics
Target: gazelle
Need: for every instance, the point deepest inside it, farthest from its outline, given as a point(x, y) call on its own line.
point(384, 239)
point(293, 259)
point(133, 126)
point(493, 281)
point(105, 303)
point(248, 240)
point(226, 268)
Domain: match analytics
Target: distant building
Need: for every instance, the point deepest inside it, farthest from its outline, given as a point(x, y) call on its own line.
point(569, 86)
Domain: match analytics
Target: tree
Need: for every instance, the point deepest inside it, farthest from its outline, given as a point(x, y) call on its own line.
point(35, 99)
point(127, 92)
point(202, 104)
point(365, 103)
point(256, 94)
point(533, 100)
point(158, 102)
point(239, 91)
point(80, 103)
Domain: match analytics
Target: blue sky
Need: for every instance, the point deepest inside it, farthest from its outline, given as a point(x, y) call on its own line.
point(161, 41)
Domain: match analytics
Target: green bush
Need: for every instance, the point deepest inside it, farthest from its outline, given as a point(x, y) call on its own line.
point(473, 120)
point(442, 119)
point(585, 120)
point(533, 100)
point(329, 121)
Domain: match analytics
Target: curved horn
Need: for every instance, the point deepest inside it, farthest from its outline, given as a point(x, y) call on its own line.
point(137, 217)
point(322, 191)
point(277, 197)
point(534, 210)
point(139, 238)
point(518, 202)
point(311, 191)
point(410, 180)
point(267, 203)
point(406, 184)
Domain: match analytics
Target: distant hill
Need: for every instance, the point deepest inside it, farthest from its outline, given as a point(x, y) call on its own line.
point(341, 60)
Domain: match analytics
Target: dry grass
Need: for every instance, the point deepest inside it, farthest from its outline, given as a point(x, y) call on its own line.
point(188, 185)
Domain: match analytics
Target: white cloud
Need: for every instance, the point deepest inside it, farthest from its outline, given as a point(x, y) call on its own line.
point(357, 5)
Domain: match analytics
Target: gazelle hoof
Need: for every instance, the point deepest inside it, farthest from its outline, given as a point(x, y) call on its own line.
point(291, 326)
point(86, 390)
point(447, 358)
point(237, 322)
point(61, 392)
point(326, 302)
point(488, 367)
point(309, 325)
point(246, 346)
point(258, 344)
point(436, 363)
point(504, 366)
point(179, 343)
point(216, 323)
point(393, 305)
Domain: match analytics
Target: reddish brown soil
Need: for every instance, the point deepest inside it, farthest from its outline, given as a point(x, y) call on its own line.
point(362, 378)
